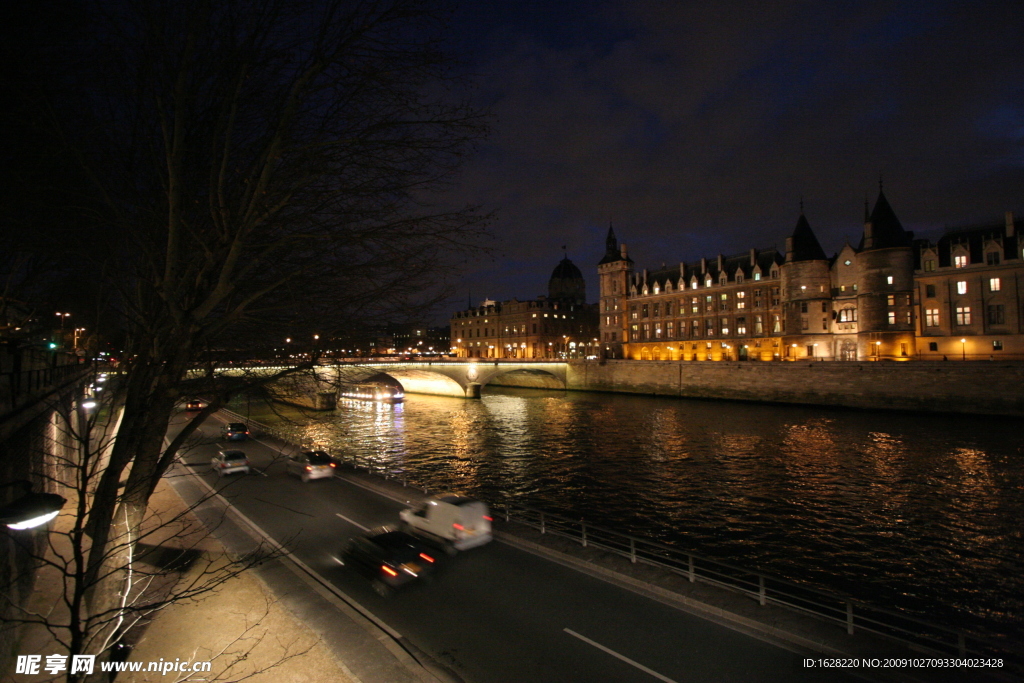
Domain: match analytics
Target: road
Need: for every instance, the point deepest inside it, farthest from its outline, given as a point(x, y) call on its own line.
point(496, 614)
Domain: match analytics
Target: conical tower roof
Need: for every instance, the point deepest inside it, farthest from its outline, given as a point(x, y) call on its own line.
point(886, 229)
point(611, 250)
point(803, 245)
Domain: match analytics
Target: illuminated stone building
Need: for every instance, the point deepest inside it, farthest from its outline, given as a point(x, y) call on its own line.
point(560, 325)
point(889, 298)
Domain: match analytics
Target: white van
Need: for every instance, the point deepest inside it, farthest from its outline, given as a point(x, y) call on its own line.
point(457, 522)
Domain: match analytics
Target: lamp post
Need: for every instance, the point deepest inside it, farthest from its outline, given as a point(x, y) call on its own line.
point(63, 317)
point(78, 330)
point(31, 509)
point(963, 348)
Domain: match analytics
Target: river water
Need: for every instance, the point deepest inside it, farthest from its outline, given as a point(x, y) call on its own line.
point(919, 512)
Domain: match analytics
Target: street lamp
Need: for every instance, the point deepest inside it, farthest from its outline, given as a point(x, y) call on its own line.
point(963, 348)
point(32, 509)
point(77, 331)
point(62, 317)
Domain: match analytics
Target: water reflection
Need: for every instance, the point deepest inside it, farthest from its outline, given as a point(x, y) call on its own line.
point(914, 511)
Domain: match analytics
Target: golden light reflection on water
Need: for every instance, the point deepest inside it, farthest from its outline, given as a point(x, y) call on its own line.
point(914, 510)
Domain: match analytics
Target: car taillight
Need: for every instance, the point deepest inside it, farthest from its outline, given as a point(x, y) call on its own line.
point(388, 570)
point(426, 557)
point(488, 518)
point(309, 468)
point(333, 465)
point(458, 526)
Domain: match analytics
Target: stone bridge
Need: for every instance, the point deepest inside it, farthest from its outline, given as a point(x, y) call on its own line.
point(463, 377)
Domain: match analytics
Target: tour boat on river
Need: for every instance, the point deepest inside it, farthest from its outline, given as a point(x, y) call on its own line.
point(374, 391)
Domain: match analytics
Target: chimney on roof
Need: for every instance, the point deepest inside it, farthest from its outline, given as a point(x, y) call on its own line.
point(753, 257)
point(1009, 224)
point(703, 265)
point(720, 263)
point(622, 250)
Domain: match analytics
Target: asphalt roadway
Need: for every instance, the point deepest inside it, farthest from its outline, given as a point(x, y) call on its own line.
point(495, 614)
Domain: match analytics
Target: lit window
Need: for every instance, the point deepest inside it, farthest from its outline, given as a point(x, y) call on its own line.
point(995, 284)
point(997, 345)
point(961, 286)
point(891, 299)
point(757, 276)
point(888, 280)
point(892, 317)
point(959, 261)
point(931, 317)
point(963, 315)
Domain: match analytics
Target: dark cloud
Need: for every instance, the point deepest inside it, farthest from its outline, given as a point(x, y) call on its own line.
point(697, 127)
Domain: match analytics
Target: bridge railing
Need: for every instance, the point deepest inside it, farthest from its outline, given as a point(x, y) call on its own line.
point(845, 612)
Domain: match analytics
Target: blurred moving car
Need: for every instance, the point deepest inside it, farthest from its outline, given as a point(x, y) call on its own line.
point(311, 465)
point(456, 522)
point(193, 405)
point(234, 431)
point(229, 462)
point(389, 558)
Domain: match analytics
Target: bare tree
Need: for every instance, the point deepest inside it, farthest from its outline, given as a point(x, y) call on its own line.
point(255, 168)
point(164, 563)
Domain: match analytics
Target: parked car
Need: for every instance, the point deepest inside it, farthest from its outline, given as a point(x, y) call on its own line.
point(389, 558)
point(311, 465)
point(455, 522)
point(193, 405)
point(234, 431)
point(229, 462)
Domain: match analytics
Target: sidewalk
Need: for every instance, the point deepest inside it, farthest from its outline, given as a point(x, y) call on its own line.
point(243, 628)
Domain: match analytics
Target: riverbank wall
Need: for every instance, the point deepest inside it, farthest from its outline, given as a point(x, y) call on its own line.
point(975, 387)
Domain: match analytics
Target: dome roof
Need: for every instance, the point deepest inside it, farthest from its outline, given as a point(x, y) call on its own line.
point(566, 270)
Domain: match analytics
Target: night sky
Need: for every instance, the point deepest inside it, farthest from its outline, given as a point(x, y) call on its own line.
point(697, 127)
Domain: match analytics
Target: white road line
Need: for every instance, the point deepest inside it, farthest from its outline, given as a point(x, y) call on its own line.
point(351, 521)
point(615, 654)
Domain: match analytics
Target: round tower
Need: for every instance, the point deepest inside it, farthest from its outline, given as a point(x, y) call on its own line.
point(807, 296)
point(885, 286)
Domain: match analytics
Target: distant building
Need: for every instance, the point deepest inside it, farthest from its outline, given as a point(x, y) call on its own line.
point(560, 325)
point(409, 339)
point(891, 297)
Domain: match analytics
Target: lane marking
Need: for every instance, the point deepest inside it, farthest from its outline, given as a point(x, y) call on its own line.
point(283, 507)
point(350, 521)
point(615, 654)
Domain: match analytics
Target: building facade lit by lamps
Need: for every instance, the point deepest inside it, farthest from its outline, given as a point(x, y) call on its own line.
point(890, 298)
point(557, 326)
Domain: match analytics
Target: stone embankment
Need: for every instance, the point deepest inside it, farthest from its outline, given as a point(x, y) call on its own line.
point(975, 387)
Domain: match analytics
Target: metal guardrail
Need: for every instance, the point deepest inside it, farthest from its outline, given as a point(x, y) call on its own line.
point(846, 612)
